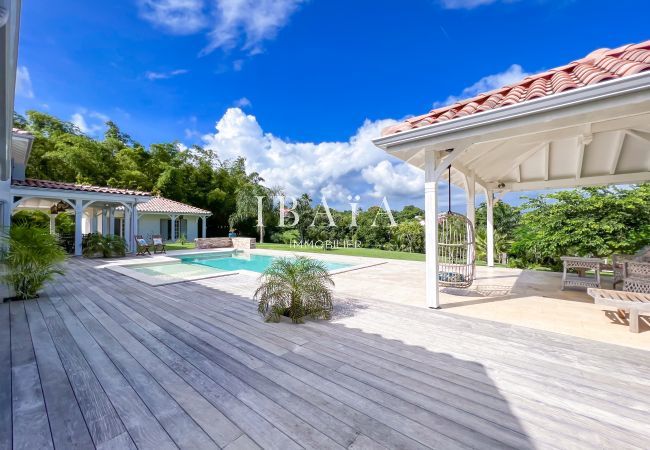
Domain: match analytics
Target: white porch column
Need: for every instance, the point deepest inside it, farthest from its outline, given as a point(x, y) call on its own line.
point(78, 222)
point(52, 223)
point(173, 227)
point(128, 212)
point(490, 227)
point(204, 226)
point(134, 226)
point(93, 221)
point(431, 229)
point(111, 220)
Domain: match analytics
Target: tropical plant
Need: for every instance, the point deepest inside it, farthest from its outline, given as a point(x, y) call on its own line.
point(182, 239)
point(296, 288)
point(33, 256)
point(96, 244)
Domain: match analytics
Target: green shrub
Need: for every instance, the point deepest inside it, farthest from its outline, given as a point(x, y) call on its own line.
point(33, 256)
point(29, 217)
point(182, 239)
point(108, 246)
point(296, 288)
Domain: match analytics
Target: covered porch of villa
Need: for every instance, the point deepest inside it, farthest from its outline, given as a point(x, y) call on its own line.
point(584, 124)
point(92, 209)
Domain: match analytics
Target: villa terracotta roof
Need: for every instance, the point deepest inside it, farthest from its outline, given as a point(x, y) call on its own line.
point(46, 184)
point(600, 65)
point(166, 206)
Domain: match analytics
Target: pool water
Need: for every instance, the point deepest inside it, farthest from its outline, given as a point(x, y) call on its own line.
point(242, 261)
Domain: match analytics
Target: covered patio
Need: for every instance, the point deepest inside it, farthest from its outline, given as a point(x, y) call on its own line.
point(583, 124)
point(95, 209)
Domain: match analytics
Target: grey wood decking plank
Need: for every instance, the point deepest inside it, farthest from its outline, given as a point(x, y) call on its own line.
point(213, 422)
point(288, 422)
point(508, 353)
point(100, 417)
point(143, 427)
point(585, 425)
point(5, 378)
point(31, 428)
point(353, 417)
point(194, 296)
point(67, 423)
point(623, 400)
point(178, 424)
point(465, 432)
point(195, 368)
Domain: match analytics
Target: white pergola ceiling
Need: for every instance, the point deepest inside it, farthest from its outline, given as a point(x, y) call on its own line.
point(598, 139)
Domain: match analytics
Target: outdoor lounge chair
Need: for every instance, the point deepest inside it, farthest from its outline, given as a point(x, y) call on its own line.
point(623, 301)
point(141, 246)
point(158, 244)
point(619, 263)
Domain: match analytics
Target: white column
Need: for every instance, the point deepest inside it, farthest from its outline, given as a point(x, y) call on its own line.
point(93, 221)
point(7, 204)
point(470, 180)
point(52, 223)
point(431, 229)
point(173, 228)
point(490, 227)
point(128, 212)
point(111, 220)
point(78, 222)
point(134, 226)
point(204, 226)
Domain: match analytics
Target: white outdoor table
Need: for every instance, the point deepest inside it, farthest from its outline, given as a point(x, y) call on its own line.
point(581, 265)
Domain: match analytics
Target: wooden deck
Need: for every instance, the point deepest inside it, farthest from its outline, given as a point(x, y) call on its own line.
point(104, 361)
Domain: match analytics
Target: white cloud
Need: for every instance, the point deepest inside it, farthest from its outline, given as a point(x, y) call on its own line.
point(89, 122)
point(336, 169)
point(24, 83)
point(242, 102)
point(175, 16)
point(250, 21)
point(465, 4)
point(230, 23)
point(164, 75)
point(238, 65)
point(391, 180)
point(513, 74)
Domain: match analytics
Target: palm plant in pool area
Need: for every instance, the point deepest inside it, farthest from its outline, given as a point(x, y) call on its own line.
point(33, 256)
point(297, 288)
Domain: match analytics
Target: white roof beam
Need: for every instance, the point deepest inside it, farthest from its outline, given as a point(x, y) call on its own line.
point(616, 154)
point(625, 178)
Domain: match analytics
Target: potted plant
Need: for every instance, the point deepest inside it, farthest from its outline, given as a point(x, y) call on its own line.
point(32, 257)
point(296, 288)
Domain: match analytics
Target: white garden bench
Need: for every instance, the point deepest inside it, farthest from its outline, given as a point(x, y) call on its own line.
point(633, 302)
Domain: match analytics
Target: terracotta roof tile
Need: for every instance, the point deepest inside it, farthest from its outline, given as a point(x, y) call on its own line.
point(600, 65)
point(46, 184)
point(165, 205)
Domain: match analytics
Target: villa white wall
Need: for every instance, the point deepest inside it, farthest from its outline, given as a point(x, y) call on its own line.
point(149, 224)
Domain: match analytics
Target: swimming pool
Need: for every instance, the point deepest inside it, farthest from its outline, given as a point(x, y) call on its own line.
point(243, 261)
point(204, 265)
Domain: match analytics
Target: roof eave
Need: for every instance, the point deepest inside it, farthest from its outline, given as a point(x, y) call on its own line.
point(606, 89)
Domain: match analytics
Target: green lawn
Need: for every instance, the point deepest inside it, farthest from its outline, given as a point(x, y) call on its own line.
point(367, 252)
point(179, 246)
point(361, 252)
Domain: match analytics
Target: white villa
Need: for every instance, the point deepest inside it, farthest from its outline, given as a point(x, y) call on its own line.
point(97, 209)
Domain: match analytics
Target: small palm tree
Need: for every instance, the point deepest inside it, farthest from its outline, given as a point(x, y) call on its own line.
point(33, 256)
point(296, 288)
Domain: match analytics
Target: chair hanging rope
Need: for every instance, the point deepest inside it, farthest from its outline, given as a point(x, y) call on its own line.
point(456, 247)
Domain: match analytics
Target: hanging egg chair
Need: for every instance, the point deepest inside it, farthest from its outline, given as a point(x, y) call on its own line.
point(456, 248)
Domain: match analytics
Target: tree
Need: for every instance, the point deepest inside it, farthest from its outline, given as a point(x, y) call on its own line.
point(410, 236)
point(296, 288)
point(594, 221)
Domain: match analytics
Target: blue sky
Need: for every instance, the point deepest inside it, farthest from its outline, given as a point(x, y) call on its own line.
point(298, 87)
